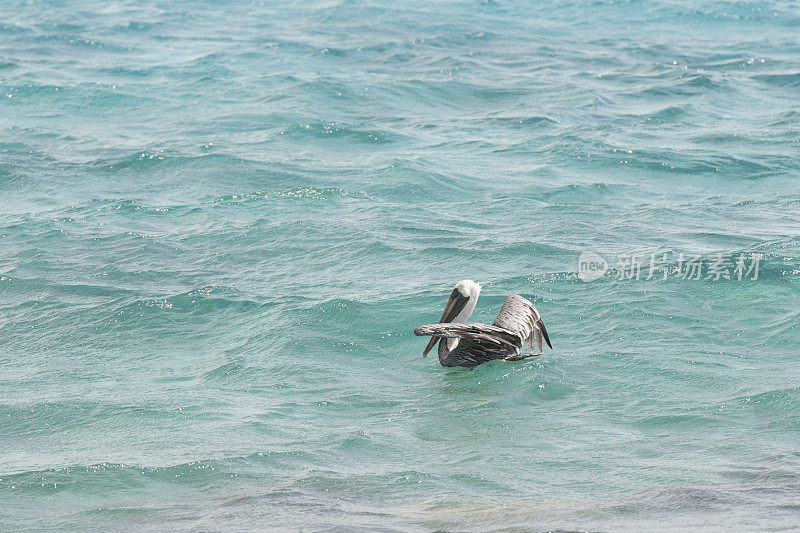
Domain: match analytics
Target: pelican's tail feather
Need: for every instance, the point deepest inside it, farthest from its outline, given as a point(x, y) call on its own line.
point(543, 332)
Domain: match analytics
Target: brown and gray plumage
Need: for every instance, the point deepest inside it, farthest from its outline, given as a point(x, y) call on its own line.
point(469, 344)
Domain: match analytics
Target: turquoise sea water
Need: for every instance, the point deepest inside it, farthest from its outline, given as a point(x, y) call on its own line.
point(221, 221)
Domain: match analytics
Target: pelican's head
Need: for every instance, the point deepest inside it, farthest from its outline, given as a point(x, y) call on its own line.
point(459, 306)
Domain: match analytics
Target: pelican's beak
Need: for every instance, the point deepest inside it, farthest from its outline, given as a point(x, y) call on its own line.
point(455, 304)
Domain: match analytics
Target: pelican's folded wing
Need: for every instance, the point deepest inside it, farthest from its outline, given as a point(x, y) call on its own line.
point(518, 315)
point(481, 333)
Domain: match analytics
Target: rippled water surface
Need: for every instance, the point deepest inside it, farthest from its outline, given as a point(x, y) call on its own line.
point(221, 221)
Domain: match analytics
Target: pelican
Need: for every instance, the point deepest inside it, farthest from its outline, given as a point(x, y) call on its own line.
point(469, 344)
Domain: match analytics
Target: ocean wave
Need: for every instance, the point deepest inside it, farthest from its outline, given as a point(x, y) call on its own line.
point(791, 79)
point(216, 245)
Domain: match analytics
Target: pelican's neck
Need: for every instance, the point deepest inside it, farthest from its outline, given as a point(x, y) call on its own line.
point(448, 345)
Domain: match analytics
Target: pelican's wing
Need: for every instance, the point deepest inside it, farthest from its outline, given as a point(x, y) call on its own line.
point(480, 333)
point(519, 316)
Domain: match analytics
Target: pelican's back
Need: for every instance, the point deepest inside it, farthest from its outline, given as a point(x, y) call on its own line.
point(515, 315)
point(520, 316)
